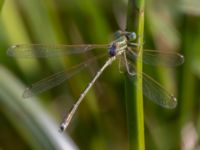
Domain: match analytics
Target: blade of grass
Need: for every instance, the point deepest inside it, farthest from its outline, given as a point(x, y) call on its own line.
point(28, 118)
point(138, 112)
point(139, 94)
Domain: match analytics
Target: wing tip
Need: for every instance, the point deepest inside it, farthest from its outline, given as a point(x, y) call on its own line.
point(170, 104)
point(182, 59)
point(10, 51)
point(27, 93)
point(173, 103)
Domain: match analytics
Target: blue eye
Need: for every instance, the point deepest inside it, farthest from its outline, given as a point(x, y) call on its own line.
point(132, 36)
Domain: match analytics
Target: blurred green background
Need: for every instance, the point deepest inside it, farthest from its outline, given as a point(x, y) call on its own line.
point(100, 122)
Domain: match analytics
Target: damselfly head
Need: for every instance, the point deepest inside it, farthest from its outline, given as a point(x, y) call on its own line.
point(131, 36)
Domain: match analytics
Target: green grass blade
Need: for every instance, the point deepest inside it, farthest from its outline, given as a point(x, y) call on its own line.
point(138, 111)
point(139, 94)
point(28, 118)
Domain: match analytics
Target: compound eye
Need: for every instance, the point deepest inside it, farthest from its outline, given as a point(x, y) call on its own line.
point(132, 36)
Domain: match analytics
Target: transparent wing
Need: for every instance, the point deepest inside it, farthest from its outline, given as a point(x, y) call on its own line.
point(153, 57)
point(40, 50)
point(153, 90)
point(156, 93)
point(56, 79)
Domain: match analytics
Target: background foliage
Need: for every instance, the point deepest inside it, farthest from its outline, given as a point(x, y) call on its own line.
point(101, 119)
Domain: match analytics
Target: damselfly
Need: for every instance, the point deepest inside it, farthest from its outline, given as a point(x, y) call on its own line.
point(121, 48)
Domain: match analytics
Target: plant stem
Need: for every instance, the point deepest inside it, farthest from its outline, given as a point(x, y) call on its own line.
point(138, 111)
point(139, 93)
